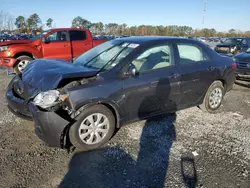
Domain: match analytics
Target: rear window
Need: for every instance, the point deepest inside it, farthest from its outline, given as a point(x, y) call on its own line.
point(190, 53)
point(77, 35)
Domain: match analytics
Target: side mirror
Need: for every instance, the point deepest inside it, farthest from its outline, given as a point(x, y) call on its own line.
point(46, 40)
point(132, 71)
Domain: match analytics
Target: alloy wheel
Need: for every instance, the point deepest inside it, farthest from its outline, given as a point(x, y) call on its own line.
point(22, 64)
point(94, 128)
point(215, 98)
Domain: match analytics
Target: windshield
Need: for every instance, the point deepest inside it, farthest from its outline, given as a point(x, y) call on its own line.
point(106, 55)
point(232, 41)
point(40, 35)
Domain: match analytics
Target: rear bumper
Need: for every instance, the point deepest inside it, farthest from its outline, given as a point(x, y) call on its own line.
point(7, 62)
point(49, 126)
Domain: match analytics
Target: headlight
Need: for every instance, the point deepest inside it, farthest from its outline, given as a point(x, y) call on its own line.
point(48, 99)
point(3, 48)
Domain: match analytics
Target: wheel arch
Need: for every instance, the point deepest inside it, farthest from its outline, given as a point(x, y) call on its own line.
point(24, 54)
point(19, 54)
point(204, 94)
point(112, 107)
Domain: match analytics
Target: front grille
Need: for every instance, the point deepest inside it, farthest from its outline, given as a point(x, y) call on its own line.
point(243, 65)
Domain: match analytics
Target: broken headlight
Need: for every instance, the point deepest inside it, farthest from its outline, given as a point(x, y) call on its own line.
point(48, 99)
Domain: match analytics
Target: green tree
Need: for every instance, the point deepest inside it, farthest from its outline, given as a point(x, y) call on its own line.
point(98, 27)
point(34, 22)
point(20, 23)
point(49, 23)
point(79, 22)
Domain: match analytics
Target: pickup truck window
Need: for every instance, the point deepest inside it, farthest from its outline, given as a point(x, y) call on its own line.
point(57, 36)
point(40, 35)
point(77, 35)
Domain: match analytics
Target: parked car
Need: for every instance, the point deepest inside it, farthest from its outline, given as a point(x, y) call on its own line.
point(118, 82)
point(243, 63)
point(233, 46)
point(64, 43)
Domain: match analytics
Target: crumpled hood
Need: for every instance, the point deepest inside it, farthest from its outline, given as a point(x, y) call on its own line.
point(243, 57)
point(46, 74)
point(11, 42)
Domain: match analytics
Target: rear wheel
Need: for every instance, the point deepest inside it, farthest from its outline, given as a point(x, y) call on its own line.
point(213, 97)
point(22, 62)
point(94, 127)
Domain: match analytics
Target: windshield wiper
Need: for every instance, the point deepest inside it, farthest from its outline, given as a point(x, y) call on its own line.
point(113, 59)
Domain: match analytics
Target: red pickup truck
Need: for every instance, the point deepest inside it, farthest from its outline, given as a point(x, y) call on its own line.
point(63, 43)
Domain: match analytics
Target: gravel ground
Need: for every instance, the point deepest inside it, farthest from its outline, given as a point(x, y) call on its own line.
point(189, 149)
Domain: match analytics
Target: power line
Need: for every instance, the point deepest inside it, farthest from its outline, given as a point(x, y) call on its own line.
point(204, 11)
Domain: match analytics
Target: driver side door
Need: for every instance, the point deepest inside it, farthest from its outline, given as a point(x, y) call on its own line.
point(155, 89)
point(57, 46)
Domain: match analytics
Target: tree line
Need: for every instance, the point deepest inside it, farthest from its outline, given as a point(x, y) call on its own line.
point(34, 24)
point(170, 30)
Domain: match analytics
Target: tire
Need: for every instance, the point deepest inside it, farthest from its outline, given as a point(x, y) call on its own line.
point(74, 135)
point(206, 105)
point(21, 60)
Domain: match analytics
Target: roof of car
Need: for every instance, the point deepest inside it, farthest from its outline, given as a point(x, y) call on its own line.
point(67, 29)
point(145, 39)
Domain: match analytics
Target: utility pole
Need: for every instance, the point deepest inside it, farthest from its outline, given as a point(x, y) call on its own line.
point(204, 11)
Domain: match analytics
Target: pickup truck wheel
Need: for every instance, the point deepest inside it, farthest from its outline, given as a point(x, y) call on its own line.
point(94, 127)
point(22, 62)
point(213, 97)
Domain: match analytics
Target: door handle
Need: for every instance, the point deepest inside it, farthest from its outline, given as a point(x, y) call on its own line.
point(65, 45)
point(174, 75)
point(210, 68)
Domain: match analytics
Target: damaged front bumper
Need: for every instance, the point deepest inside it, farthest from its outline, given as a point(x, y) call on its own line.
point(49, 126)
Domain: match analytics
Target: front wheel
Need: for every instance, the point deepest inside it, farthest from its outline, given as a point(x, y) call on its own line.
point(213, 97)
point(22, 62)
point(93, 128)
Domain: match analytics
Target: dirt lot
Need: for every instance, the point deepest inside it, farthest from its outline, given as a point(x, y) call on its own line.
point(189, 149)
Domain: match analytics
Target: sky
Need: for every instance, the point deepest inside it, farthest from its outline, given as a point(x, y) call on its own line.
point(220, 14)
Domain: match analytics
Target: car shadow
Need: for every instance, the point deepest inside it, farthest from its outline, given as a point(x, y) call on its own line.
point(114, 167)
point(188, 171)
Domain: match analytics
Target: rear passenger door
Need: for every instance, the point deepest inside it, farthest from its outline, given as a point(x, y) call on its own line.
point(197, 73)
point(80, 42)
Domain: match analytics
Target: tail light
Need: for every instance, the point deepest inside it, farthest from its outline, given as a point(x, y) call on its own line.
point(234, 65)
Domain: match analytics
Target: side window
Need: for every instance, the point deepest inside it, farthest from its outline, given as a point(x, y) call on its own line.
point(154, 58)
point(244, 41)
point(57, 36)
point(191, 54)
point(77, 35)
